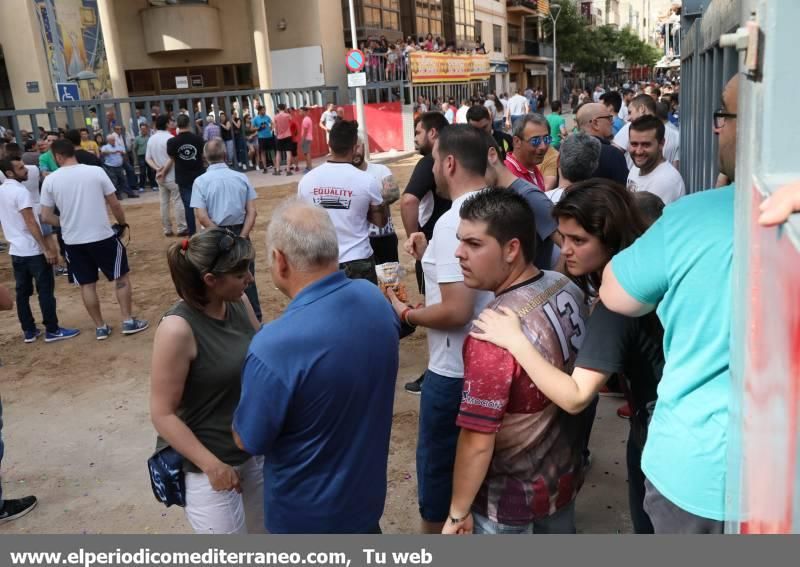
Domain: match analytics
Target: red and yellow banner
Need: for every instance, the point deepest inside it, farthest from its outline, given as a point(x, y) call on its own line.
point(429, 67)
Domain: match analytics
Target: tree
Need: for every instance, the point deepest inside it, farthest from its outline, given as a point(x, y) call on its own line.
point(594, 50)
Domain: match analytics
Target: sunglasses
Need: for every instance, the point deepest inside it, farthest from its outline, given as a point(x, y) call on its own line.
point(225, 244)
point(539, 140)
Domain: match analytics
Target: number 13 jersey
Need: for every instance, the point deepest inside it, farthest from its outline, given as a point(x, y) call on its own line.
point(537, 465)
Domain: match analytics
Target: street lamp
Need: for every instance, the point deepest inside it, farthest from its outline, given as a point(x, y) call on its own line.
point(557, 9)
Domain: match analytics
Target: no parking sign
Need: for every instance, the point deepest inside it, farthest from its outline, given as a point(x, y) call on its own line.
point(355, 60)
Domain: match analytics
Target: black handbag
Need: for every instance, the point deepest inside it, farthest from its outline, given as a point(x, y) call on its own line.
point(167, 478)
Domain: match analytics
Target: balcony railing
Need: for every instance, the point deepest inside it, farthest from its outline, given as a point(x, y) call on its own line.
point(532, 48)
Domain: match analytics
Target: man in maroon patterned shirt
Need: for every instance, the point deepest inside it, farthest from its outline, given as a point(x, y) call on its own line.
point(519, 460)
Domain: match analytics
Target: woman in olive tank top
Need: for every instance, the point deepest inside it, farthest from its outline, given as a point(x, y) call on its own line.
point(198, 353)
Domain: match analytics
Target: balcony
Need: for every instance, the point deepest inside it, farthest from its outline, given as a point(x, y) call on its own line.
point(529, 50)
point(522, 7)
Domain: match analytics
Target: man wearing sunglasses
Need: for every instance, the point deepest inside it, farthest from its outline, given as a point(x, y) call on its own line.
point(531, 142)
point(596, 120)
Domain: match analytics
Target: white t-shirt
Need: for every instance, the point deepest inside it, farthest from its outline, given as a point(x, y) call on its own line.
point(672, 143)
point(380, 172)
point(426, 206)
point(664, 181)
point(555, 194)
point(461, 115)
point(346, 193)
point(157, 152)
point(79, 191)
point(516, 105)
point(32, 185)
point(489, 104)
point(14, 197)
point(623, 112)
point(440, 265)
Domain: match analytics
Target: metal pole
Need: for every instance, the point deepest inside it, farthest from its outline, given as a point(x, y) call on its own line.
point(557, 8)
point(362, 125)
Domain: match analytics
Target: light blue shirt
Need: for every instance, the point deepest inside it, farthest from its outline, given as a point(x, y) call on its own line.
point(112, 159)
point(683, 264)
point(263, 124)
point(223, 193)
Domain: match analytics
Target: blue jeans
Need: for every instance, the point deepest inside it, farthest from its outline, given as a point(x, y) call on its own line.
point(186, 197)
point(560, 522)
point(27, 271)
point(130, 174)
point(241, 150)
point(636, 491)
point(514, 119)
point(436, 444)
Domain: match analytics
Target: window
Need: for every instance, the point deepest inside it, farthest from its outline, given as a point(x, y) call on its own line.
point(497, 38)
point(478, 30)
point(429, 17)
point(391, 20)
point(382, 14)
point(141, 81)
point(208, 74)
point(465, 20)
point(372, 17)
point(244, 75)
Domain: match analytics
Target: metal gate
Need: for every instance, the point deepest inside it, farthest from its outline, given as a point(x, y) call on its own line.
point(763, 488)
point(705, 68)
point(74, 114)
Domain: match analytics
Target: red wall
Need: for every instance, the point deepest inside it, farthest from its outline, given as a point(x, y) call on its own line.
point(384, 127)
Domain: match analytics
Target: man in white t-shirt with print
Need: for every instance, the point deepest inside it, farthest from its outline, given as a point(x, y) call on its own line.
point(352, 198)
point(382, 239)
point(651, 172)
point(643, 105)
point(460, 161)
point(81, 192)
point(32, 258)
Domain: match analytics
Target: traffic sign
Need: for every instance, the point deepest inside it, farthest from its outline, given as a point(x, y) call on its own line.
point(355, 60)
point(356, 80)
point(68, 92)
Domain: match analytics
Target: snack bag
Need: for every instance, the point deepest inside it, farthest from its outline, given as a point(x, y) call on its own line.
point(389, 275)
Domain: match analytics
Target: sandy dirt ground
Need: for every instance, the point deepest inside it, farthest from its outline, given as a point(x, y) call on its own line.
point(76, 423)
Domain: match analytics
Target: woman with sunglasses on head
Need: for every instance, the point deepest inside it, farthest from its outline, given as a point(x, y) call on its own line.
point(597, 218)
point(198, 353)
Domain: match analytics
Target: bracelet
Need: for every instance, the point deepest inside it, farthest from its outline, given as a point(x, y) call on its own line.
point(453, 520)
point(404, 317)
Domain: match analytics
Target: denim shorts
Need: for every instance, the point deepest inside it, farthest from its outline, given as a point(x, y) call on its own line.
point(560, 522)
point(436, 444)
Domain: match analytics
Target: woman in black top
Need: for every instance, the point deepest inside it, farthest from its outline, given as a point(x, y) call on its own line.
point(597, 219)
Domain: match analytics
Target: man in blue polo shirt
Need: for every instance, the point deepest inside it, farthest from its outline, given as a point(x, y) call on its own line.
point(681, 267)
point(318, 386)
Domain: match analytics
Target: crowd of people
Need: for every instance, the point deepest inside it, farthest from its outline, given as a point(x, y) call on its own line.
point(542, 286)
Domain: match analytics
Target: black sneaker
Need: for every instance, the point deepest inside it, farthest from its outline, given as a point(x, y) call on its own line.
point(415, 387)
point(13, 509)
